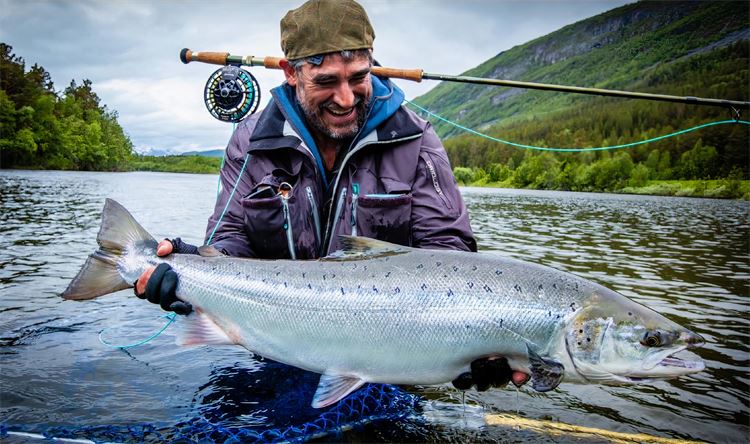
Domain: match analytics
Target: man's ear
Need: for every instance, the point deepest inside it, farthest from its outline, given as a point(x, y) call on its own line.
point(289, 72)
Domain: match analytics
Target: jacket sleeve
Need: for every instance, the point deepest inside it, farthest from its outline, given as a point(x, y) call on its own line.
point(226, 226)
point(439, 217)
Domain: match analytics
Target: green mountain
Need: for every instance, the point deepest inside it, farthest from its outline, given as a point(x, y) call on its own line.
point(689, 48)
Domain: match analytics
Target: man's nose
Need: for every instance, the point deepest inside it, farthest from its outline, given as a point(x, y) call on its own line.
point(344, 96)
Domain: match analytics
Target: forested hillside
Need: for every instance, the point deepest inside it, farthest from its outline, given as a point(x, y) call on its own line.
point(681, 48)
point(40, 128)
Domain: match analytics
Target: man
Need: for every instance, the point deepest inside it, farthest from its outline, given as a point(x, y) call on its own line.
point(334, 153)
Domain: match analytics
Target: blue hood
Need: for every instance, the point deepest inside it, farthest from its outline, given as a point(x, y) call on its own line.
point(386, 100)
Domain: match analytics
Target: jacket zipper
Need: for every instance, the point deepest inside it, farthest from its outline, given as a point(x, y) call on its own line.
point(355, 197)
point(315, 215)
point(434, 177)
point(288, 227)
point(339, 207)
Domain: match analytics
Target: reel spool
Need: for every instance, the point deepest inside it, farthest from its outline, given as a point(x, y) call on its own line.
point(231, 93)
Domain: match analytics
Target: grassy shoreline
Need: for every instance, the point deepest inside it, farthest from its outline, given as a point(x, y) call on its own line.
point(712, 189)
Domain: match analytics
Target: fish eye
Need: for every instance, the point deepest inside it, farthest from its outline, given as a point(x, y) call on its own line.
point(651, 339)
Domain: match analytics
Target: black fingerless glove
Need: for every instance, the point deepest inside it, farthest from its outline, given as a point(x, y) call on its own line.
point(485, 373)
point(160, 289)
point(178, 246)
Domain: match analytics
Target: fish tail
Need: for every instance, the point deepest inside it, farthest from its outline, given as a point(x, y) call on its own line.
point(99, 275)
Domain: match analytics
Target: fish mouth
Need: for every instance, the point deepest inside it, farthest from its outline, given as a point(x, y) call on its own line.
point(667, 365)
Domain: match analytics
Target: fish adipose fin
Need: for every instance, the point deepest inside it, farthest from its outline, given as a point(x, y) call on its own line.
point(199, 329)
point(546, 374)
point(357, 248)
point(99, 274)
point(333, 388)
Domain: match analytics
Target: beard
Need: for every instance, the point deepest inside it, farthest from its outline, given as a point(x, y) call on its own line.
point(314, 116)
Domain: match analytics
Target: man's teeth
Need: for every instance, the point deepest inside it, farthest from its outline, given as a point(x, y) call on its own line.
point(339, 113)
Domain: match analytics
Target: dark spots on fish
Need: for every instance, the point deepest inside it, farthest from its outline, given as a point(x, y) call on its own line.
point(420, 266)
point(284, 284)
point(517, 288)
point(588, 339)
point(309, 286)
point(445, 275)
point(396, 290)
point(450, 292)
point(549, 313)
point(264, 280)
point(278, 273)
point(375, 289)
point(359, 287)
point(540, 288)
point(424, 286)
point(580, 331)
point(554, 286)
point(455, 268)
point(579, 342)
point(342, 290)
point(303, 275)
point(630, 313)
point(324, 276)
point(239, 273)
point(364, 268)
point(438, 263)
point(474, 268)
point(487, 289)
point(573, 306)
point(388, 274)
point(470, 284)
point(557, 317)
point(467, 326)
point(498, 272)
point(213, 268)
point(333, 275)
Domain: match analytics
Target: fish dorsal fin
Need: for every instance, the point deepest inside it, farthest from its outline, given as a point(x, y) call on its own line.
point(356, 247)
point(333, 388)
point(199, 329)
point(209, 251)
point(546, 374)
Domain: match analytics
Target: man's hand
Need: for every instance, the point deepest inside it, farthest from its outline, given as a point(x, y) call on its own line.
point(490, 372)
point(158, 284)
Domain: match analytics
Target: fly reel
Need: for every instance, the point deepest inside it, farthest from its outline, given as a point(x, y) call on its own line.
point(231, 93)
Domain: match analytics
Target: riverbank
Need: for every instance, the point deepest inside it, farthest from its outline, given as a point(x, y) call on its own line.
point(714, 189)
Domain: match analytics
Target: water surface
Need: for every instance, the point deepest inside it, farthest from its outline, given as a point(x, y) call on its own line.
point(686, 258)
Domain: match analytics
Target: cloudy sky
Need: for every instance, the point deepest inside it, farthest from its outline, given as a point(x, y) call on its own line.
point(129, 48)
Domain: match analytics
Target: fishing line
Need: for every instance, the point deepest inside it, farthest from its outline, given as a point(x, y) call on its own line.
point(171, 318)
point(229, 200)
point(574, 150)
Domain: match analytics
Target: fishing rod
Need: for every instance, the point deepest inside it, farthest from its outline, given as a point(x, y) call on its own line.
point(417, 75)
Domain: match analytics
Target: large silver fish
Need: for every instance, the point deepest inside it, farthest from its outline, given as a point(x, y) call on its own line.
point(378, 312)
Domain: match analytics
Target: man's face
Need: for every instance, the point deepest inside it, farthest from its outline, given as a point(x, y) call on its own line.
point(334, 95)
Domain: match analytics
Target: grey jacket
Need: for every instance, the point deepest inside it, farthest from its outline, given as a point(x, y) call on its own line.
point(395, 184)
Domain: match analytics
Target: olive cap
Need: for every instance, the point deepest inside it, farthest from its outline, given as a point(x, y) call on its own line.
point(322, 26)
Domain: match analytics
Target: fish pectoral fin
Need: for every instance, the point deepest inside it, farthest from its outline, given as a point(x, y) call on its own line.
point(546, 374)
point(333, 388)
point(199, 329)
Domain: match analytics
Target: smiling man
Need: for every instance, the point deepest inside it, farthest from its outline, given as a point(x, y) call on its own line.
point(334, 153)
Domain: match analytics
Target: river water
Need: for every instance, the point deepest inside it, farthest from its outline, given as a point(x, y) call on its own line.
point(686, 258)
